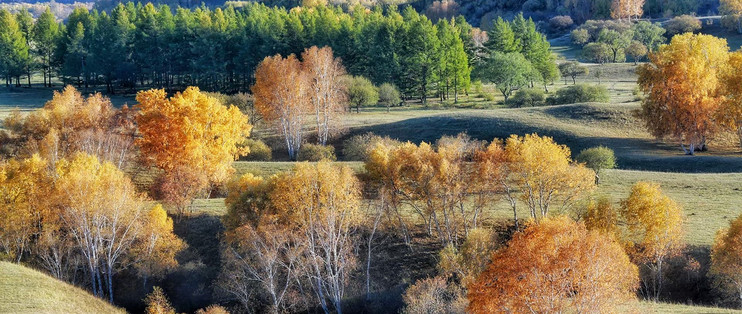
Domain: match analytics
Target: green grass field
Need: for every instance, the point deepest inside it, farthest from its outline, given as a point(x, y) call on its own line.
point(24, 290)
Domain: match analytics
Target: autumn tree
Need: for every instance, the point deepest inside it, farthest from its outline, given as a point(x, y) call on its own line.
point(157, 303)
point(555, 265)
point(683, 89)
point(434, 295)
point(464, 264)
point(281, 97)
point(438, 183)
point(24, 188)
point(627, 9)
point(327, 89)
point(102, 212)
point(155, 251)
point(545, 174)
point(731, 11)
point(726, 258)
point(729, 115)
point(69, 123)
point(656, 232)
point(323, 202)
point(190, 136)
point(602, 216)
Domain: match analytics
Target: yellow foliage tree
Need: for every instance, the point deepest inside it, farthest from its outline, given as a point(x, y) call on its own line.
point(545, 173)
point(554, 266)
point(323, 202)
point(328, 93)
point(602, 216)
point(730, 113)
point(656, 232)
point(731, 11)
point(726, 258)
point(24, 190)
point(155, 251)
point(683, 88)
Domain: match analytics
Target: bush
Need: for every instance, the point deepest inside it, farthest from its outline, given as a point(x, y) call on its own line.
point(259, 151)
point(580, 93)
point(580, 37)
point(527, 97)
point(597, 52)
point(434, 295)
point(389, 95)
point(682, 24)
point(315, 152)
point(560, 23)
point(357, 147)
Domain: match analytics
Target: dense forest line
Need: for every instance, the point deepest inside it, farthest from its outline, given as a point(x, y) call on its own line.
point(148, 46)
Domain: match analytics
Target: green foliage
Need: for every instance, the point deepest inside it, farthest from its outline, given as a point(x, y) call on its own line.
point(636, 51)
point(361, 92)
point(13, 48)
point(454, 73)
point(615, 41)
point(502, 38)
point(682, 24)
point(580, 93)
point(573, 69)
point(389, 95)
point(649, 34)
point(597, 159)
point(527, 97)
point(580, 36)
point(259, 151)
point(509, 72)
point(315, 152)
point(597, 52)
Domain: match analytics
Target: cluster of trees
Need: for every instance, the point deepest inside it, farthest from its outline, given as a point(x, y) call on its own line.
point(69, 207)
point(692, 91)
point(614, 41)
point(515, 56)
point(219, 49)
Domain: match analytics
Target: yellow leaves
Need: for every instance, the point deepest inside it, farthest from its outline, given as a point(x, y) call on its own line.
point(544, 171)
point(555, 265)
point(726, 257)
point(191, 130)
point(655, 222)
point(683, 87)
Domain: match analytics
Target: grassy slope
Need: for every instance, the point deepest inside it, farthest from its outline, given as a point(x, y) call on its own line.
point(24, 290)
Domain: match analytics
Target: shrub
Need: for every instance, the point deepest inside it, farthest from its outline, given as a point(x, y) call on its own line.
point(560, 23)
point(580, 37)
point(434, 295)
point(389, 95)
point(527, 97)
point(315, 152)
point(597, 52)
point(157, 303)
point(259, 151)
point(357, 147)
point(213, 309)
point(682, 24)
point(580, 93)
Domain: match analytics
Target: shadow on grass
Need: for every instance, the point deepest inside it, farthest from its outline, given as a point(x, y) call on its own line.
point(632, 153)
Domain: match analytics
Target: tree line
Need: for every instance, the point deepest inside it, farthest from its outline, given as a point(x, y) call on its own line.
point(143, 45)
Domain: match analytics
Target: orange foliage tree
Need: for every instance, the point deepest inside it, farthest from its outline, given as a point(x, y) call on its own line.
point(281, 97)
point(655, 231)
point(155, 251)
point(726, 258)
point(190, 136)
point(553, 266)
point(683, 88)
point(327, 90)
point(545, 174)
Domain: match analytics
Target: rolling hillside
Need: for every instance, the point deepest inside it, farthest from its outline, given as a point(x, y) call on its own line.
point(24, 290)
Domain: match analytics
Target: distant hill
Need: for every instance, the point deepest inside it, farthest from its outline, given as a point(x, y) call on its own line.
point(24, 290)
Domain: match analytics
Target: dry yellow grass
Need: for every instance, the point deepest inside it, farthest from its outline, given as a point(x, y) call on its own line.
point(24, 290)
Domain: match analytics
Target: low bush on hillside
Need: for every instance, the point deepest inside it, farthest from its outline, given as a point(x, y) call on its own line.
point(259, 151)
point(580, 93)
point(315, 152)
point(357, 147)
point(528, 97)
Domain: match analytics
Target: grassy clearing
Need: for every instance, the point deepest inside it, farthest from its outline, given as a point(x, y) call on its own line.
point(24, 290)
point(652, 307)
